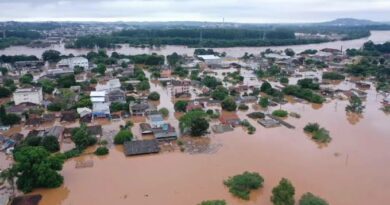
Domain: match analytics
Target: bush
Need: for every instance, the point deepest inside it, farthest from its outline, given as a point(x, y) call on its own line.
point(322, 136)
point(123, 136)
point(50, 143)
point(229, 104)
point(72, 153)
point(311, 199)
point(213, 202)
point(241, 185)
point(264, 102)
point(302, 93)
point(243, 107)
point(210, 112)
point(54, 107)
point(333, 76)
point(284, 80)
point(101, 151)
point(164, 112)
point(154, 96)
point(311, 127)
point(283, 194)
point(280, 113)
point(199, 127)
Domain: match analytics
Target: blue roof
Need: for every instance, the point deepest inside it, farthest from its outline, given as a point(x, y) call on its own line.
point(156, 118)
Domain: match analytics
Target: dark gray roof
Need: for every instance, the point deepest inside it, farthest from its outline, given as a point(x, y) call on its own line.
point(141, 147)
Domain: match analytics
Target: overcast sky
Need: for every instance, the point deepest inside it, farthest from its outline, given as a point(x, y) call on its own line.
point(249, 11)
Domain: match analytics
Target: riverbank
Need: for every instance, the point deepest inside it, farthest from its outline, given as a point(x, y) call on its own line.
point(376, 37)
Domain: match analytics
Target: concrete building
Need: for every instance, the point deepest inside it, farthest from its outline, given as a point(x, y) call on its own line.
point(180, 88)
point(210, 59)
point(111, 85)
point(71, 63)
point(100, 106)
point(28, 95)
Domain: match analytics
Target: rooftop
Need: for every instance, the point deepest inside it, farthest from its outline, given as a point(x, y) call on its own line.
point(141, 147)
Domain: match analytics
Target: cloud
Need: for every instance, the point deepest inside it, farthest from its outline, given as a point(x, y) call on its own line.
point(252, 11)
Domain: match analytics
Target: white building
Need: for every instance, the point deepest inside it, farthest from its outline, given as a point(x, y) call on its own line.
point(111, 85)
point(73, 62)
point(28, 95)
point(100, 107)
point(210, 59)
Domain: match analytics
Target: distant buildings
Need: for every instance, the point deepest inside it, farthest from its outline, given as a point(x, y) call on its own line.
point(28, 95)
point(71, 63)
point(210, 59)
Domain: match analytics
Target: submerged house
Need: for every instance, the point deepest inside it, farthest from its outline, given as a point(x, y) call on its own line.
point(165, 132)
point(132, 148)
point(230, 118)
point(141, 109)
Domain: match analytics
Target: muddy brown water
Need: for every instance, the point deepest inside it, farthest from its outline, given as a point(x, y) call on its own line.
point(376, 36)
point(352, 170)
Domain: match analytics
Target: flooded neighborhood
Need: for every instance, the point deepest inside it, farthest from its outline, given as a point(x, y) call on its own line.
point(95, 113)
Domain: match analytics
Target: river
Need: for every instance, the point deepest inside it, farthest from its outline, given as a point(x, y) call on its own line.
point(376, 37)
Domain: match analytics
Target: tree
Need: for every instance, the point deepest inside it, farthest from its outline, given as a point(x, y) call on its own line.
point(213, 202)
point(283, 194)
point(66, 81)
point(143, 85)
point(123, 136)
point(265, 87)
point(174, 59)
point(211, 82)
point(84, 102)
point(52, 56)
point(48, 86)
point(241, 185)
point(26, 79)
point(181, 106)
point(164, 112)
point(3, 71)
point(185, 121)
point(264, 102)
point(199, 127)
point(229, 104)
point(10, 119)
point(355, 105)
point(82, 138)
point(154, 96)
point(311, 199)
point(37, 168)
point(289, 52)
point(4, 92)
point(54, 107)
point(50, 143)
point(284, 80)
point(280, 113)
point(101, 68)
point(220, 93)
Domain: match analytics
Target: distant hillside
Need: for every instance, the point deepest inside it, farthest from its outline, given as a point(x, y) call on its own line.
point(351, 22)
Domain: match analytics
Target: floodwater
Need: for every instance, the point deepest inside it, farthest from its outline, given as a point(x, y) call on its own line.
point(376, 37)
point(351, 170)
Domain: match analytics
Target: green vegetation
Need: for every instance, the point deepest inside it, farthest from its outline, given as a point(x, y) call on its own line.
point(284, 80)
point(35, 167)
point(186, 121)
point(199, 127)
point(280, 113)
point(283, 194)
point(52, 56)
point(241, 185)
point(211, 82)
point(122, 136)
point(49, 143)
point(8, 119)
point(333, 76)
point(234, 77)
point(181, 72)
point(100, 151)
point(213, 202)
point(154, 96)
point(82, 138)
point(311, 199)
point(4, 92)
point(174, 59)
point(26, 79)
point(309, 84)
point(355, 105)
point(303, 93)
point(276, 95)
point(181, 106)
point(229, 104)
point(164, 112)
point(247, 124)
point(220, 93)
point(264, 102)
point(320, 135)
point(256, 115)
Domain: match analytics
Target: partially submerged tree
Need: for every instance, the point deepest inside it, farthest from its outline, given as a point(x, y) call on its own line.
point(241, 185)
point(311, 199)
point(283, 194)
point(355, 105)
